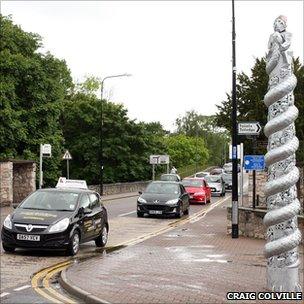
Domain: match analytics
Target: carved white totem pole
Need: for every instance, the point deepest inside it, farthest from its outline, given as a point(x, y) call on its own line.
point(283, 235)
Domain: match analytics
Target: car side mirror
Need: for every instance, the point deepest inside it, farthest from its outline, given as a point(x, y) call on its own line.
point(140, 192)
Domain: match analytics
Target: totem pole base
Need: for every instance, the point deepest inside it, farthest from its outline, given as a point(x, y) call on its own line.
point(284, 279)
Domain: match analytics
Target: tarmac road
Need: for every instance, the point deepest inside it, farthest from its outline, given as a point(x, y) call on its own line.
point(18, 268)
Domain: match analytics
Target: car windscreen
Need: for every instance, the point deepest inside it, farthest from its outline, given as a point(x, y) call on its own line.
point(163, 188)
point(192, 183)
point(216, 172)
point(171, 178)
point(213, 179)
point(201, 174)
point(51, 200)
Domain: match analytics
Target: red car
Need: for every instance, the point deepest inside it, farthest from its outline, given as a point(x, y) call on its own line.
point(198, 190)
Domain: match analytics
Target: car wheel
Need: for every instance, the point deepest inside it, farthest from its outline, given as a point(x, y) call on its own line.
point(73, 247)
point(8, 248)
point(102, 239)
point(140, 214)
point(180, 212)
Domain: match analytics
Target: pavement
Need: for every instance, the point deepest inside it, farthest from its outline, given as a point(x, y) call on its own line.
point(193, 263)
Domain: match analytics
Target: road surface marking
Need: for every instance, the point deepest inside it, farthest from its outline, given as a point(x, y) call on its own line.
point(46, 285)
point(3, 294)
point(22, 287)
point(41, 275)
point(124, 214)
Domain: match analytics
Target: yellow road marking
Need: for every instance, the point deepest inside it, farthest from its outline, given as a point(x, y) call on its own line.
point(46, 285)
point(41, 274)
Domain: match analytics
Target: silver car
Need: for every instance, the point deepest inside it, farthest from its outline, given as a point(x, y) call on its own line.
point(216, 184)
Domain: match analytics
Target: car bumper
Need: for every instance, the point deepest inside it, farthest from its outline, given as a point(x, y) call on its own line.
point(47, 241)
point(157, 209)
point(198, 199)
point(216, 192)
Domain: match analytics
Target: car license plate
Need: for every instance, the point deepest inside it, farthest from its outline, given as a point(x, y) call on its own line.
point(155, 212)
point(28, 237)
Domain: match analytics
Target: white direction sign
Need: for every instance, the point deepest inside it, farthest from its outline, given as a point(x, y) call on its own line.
point(67, 155)
point(249, 128)
point(159, 159)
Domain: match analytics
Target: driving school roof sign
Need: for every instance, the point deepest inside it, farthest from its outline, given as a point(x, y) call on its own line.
point(71, 183)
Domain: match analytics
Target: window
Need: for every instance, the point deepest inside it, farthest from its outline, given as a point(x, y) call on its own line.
point(183, 190)
point(85, 201)
point(94, 200)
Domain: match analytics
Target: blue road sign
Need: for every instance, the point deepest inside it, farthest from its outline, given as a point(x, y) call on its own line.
point(254, 162)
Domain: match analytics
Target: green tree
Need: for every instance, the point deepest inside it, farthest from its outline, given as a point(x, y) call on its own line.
point(185, 150)
point(250, 94)
point(127, 144)
point(204, 127)
point(33, 87)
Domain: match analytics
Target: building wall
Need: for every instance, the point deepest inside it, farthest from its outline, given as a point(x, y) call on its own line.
point(24, 181)
point(6, 183)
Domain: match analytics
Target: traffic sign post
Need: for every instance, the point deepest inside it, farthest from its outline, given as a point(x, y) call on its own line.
point(159, 160)
point(249, 128)
point(45, 151)
point(254, 163)
point(67, 156)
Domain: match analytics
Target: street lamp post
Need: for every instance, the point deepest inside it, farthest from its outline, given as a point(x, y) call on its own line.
point(101, 127)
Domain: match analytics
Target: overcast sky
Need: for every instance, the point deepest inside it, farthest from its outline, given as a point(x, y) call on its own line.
point(179, 52)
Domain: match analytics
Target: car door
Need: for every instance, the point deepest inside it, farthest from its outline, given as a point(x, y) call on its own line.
point(86, 218)
point(207, 190)
point(184, 197)
point(97, 213)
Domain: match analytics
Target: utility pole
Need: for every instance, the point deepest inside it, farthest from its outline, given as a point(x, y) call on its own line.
point(234, 212)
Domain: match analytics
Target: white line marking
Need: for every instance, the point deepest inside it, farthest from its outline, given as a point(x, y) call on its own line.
point(22, 287)
point(123, 214)
point(3, 294)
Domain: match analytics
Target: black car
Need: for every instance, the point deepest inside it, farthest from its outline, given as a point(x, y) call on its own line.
point(56, 219)
point(163, 198)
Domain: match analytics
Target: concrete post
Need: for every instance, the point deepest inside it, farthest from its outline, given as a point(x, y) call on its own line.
point(283, 235)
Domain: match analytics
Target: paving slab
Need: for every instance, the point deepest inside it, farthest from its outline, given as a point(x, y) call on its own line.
point(195, 263)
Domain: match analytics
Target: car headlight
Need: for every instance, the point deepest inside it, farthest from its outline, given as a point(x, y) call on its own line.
point(8, 222)
point(172, 202)
point(141, 200)
point(200, 193)
point(60, 226)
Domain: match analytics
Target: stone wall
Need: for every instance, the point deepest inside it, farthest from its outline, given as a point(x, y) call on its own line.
point(17, 181)
point(6, 183)
point(116, 188)
point(261, 178)
point(24, 180)
point(251, 222)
